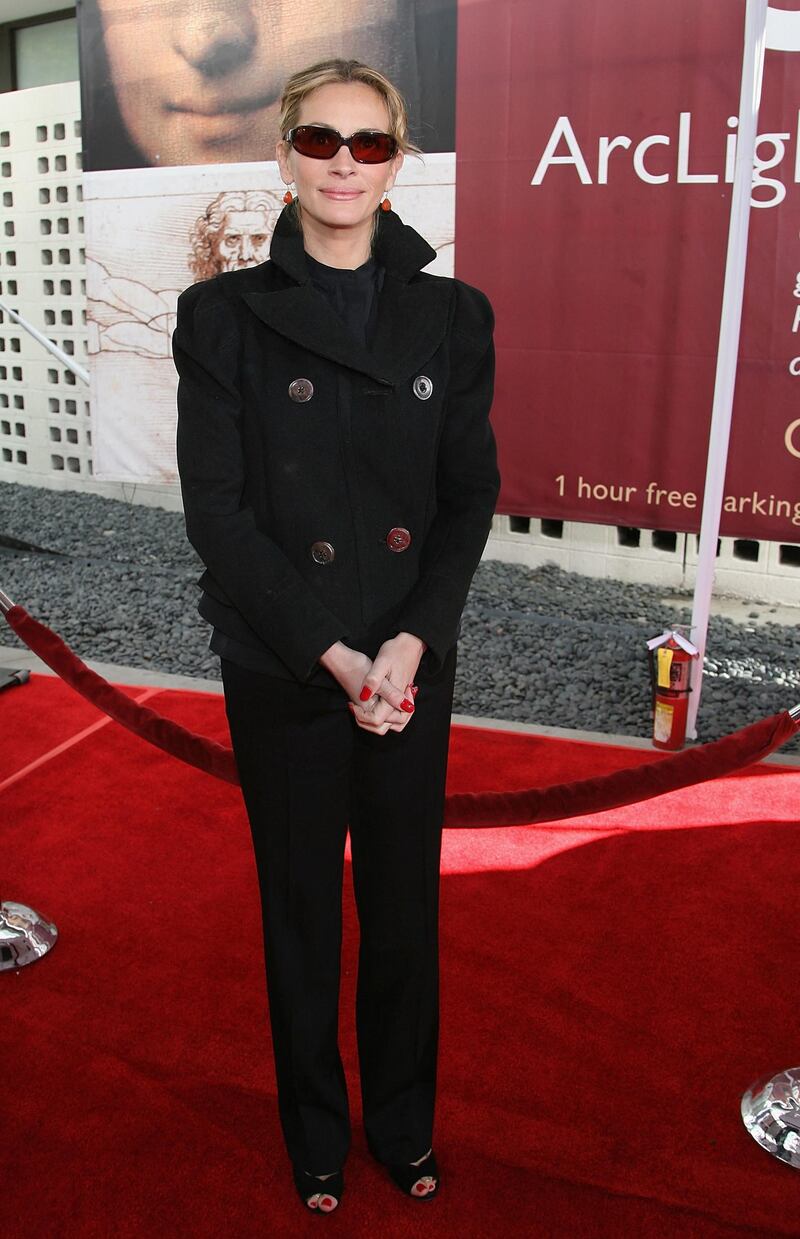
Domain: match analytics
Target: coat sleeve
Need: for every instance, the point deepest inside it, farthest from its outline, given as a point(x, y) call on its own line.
point(467, 482)
point(251, 568)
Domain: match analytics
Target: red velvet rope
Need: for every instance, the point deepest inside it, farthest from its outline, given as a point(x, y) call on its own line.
point(562, 800)
point(198, 751)
point(475, 809)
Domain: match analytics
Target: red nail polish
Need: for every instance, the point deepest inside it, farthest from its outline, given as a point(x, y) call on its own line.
point(366, 693)
point(407, 705)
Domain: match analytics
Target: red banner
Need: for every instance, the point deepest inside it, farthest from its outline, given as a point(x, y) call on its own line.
point(595, 143)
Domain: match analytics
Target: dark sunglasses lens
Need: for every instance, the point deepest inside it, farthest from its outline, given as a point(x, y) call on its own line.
point(373, 147)
point(316, 142)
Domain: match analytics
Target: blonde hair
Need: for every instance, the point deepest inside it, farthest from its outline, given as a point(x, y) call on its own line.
point(301, 84)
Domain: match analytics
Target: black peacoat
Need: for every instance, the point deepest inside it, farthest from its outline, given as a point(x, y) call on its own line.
point(334, 491)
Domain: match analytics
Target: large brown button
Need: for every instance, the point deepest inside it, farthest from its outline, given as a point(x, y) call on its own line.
point(322, 552)
point(301, 390)
point(398, 539)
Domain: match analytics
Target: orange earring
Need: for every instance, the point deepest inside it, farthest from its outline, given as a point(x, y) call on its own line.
point(287, 197)
point(386, 205)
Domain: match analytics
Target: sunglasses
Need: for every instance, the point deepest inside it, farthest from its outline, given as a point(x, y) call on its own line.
point(319, 142)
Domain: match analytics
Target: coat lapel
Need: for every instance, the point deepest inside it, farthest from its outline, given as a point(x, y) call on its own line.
point(412, 314)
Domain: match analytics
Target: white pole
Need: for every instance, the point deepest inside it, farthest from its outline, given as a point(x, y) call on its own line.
point(58, 353)
point(728, 351)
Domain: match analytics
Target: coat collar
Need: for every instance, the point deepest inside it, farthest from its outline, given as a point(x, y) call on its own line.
point(412, 312)
point(398, 247)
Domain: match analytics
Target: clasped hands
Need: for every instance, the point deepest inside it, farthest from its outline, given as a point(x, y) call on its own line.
point(386, 682)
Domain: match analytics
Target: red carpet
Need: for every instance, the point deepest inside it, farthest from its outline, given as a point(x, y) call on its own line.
point(610, 987)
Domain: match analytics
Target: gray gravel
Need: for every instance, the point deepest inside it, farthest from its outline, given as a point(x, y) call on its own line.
point(118, 582)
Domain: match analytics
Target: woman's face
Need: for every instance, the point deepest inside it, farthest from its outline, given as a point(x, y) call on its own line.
point(199, 81)
point(338, 192)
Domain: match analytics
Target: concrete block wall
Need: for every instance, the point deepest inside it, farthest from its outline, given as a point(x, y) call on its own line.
point(747, 568)
point(45, 426)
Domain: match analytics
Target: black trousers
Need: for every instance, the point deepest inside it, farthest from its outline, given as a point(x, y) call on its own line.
point(307, 772)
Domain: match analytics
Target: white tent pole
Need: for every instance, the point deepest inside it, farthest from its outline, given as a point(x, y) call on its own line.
point(728, 351)
point(63, 357)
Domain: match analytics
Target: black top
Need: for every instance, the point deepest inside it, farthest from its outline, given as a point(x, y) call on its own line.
point(354, 297)
point(353, 294)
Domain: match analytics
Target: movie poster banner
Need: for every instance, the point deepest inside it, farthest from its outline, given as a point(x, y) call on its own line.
point(180, 103)
point(595, 148)
point(578, 166)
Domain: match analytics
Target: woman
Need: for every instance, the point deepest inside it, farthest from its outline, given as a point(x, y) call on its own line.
point(339, 478)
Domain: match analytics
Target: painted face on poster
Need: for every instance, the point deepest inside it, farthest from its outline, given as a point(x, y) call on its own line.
point(199, 81)
point(191, 82)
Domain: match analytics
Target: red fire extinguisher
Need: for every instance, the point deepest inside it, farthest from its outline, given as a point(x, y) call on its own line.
point(671, 658)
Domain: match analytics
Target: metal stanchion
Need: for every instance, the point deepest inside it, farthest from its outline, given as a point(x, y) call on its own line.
point(771, 1113)
point(25, 935)
point(771, 1106)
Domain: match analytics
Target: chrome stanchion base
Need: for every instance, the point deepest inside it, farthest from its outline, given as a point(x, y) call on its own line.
point(25, 936)
point(771, 1113)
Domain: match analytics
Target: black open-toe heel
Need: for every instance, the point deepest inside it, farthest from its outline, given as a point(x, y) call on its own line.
point(406, 1176)
point(308, 1185)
